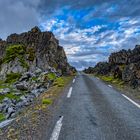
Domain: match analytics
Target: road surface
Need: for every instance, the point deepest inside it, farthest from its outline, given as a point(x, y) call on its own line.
point(93, 110)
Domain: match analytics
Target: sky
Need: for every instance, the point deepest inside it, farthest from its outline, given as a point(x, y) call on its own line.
point(89, 30)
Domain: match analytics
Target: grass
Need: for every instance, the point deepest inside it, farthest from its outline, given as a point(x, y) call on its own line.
point(59, 82)
point(112, 80)
point(10, 96)
point(12, 77)
point(2, 117)
point(14, 51)
point(31, 53)
point(51, 76)
point(46, 101)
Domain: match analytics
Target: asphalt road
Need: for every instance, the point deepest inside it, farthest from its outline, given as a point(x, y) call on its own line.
point(92, 110)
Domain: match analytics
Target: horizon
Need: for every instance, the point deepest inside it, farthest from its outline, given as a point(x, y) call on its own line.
point(89, 31)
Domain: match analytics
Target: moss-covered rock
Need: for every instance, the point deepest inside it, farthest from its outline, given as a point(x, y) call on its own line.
point(14, 51)
point(12, 77)
point(2, 117)
point(31, 54)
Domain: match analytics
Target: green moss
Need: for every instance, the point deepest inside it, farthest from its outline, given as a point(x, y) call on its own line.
point(116, 81)
point(14, 51)
point(107, 78)
point(51, 76)
point(12, 77)
point(10, 96)
point(34, 78)
point(2, 117)
point(31, 53)
point(47, 101)
point(122, 67)
point(59, 82)
point(24, 64)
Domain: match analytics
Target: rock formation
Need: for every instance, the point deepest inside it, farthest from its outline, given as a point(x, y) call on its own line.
point(40, 49)
point(29, 63)
point(124, 64)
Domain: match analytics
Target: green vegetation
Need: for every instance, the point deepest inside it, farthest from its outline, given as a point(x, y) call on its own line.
point(12, 77)
point(34, 78)
point(23, 63)
point(112, 80)
point(14, 51)
point(10, 96)
point(59, 82)
point(51, 76)
point(46, 101)
point(31, 53)
point(2, 117)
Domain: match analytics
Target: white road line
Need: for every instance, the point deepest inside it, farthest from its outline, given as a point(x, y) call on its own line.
point(57, 129)
point(73, 80)
point(136, 104)
point(69, 93)
point(110, 86)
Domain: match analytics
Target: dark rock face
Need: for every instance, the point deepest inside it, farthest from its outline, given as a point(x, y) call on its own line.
point(42, 51)
point(124, 65)
point(102, 68)
point(125, 56)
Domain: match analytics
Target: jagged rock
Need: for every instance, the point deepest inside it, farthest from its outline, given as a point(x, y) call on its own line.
point(26, 57)
point(42, 51)
point(1, 107)
point(10, 111)
point(21, 86)
point(7, 100)
point(38, 71)
point(17, 93)
point(23, 98)
point(4, 91)
point(26, 76)
point(100, 68)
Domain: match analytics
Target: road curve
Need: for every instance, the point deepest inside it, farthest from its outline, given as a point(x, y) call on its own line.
point(95, 111)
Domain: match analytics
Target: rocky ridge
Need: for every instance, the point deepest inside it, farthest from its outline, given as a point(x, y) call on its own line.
point(29, 63)
point(124, 65)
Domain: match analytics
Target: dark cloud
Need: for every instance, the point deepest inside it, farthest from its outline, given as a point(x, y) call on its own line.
point(109, 25)
point(17, 16)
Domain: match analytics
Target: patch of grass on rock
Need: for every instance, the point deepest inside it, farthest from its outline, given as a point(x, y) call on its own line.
point(12, 77)
point(46, 101)
point(2, 117)
point(59, 82)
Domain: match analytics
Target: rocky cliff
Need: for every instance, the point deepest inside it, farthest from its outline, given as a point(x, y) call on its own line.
point(29, 63)
point(124, 65)
point(31, 50)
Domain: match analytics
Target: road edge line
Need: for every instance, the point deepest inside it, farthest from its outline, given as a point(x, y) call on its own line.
point(57, 129)
point(136, 104)
point(69, 93)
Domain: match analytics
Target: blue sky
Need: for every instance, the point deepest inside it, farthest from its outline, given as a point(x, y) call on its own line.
point(89, 30)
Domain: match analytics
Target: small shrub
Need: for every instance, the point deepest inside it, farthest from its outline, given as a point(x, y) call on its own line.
point(31, 53)
point(47, 101)
point(59, 82)
point(51, 76)
point(2, 117)
point(14, 51)
point(12, 77)
point(10, 96)
point(23, 63)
